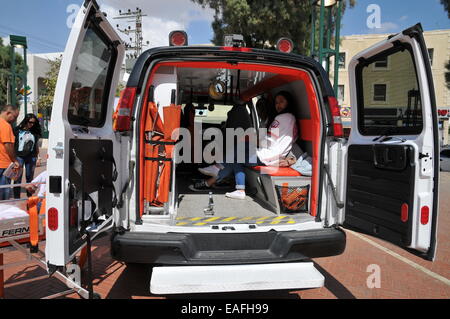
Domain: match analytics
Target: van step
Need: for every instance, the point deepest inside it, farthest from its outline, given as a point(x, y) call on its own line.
point(208, 279)
point(256, 220)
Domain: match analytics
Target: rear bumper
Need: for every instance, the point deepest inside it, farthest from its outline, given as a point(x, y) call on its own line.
point(226, 249)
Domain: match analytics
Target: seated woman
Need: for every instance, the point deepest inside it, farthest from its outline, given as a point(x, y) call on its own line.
point(276, 146)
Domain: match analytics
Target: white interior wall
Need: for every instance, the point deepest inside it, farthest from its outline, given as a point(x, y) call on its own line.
point(164, 83)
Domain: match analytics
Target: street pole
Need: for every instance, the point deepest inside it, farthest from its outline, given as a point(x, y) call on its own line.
point(337, 55)
point(328, 42)
point(321, 30)
point(313, 32)
point(13, 77)
point(325, 26)
point(17, 41)
point(25, 71)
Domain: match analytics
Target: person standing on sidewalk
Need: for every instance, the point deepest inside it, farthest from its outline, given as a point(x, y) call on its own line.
point(8, 115)
point(27, 135)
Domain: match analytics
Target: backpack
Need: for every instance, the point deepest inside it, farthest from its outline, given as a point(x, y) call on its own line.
point(25, 144)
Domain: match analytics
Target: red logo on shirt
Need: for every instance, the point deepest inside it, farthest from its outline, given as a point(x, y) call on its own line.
point(275, 124)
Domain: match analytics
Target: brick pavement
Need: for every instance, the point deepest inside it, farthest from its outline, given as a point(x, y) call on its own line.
point(345, 275)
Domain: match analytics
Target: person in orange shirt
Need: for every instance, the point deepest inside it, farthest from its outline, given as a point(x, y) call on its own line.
point(8, 114)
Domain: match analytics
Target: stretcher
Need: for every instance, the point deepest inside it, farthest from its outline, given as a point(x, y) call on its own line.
point(22, 226)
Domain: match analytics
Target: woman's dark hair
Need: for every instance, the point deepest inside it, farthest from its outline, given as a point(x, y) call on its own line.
point(261, 109)
point(35, 129)
point(289, 108)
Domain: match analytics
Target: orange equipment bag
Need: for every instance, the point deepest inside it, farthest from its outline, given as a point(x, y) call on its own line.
point(292, 199)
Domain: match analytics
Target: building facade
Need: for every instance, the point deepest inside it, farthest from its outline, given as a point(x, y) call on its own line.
point(382, 83)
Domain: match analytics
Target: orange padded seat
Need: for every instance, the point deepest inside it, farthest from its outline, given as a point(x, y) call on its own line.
point(276, 171)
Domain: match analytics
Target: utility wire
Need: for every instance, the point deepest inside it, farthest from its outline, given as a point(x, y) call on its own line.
point(39, 40)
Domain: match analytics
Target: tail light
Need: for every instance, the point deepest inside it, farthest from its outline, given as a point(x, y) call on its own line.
point(424, 215)
point(52, 219)
point(124, 110)
point(285, 45)
point(335, 109)
point(178, 38)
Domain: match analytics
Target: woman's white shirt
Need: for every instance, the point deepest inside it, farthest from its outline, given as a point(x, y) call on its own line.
point(281, 135)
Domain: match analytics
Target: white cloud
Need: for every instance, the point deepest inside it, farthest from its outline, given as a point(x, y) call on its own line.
point(388, 26)
point(403, 18)
point(162, 17)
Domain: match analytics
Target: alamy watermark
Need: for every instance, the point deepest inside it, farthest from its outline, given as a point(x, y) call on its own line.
point(210, 145)
point(374, 19)
point(73, 272)
point(374, 279)
point(72, 10)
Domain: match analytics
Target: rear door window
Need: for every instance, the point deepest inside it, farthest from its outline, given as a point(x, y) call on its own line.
point(92, 80)
point(389, 99)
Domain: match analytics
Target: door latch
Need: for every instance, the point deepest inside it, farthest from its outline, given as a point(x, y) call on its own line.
point(59, 150)
point(421, 155)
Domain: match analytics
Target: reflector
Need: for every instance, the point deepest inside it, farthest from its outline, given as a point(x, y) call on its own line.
point(178, 38)
point(285, 45)
point(424, 215)
point(52, 219)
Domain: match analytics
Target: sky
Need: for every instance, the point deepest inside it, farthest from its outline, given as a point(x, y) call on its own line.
point(46, 23)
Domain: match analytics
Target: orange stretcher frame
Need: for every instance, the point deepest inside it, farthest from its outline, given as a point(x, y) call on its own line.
point(158, 152)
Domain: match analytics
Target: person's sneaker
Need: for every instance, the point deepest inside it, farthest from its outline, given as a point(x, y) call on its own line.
point(199, 186)
point(211, 170)
point(236, 195)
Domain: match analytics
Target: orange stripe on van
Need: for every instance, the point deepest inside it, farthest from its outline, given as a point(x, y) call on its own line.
point(306, 130)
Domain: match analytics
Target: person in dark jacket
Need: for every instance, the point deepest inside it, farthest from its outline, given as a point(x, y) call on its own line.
point(27, 134)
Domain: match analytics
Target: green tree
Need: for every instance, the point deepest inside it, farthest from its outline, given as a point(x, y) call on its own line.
point(262, 23)
point(45, 99)
point(5, 71)
point(446, 4)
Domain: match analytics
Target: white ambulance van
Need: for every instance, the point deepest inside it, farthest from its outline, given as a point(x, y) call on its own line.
point(118, 171)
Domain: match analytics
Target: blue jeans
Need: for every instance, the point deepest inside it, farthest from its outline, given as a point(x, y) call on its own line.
point(237, 169)
point(4, 192)
point(30, 165)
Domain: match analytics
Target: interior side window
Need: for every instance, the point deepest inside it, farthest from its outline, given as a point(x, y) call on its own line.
point(389, 100)
point(91, 81)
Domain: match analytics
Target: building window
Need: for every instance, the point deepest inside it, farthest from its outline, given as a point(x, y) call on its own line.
point(389, 98)
point(341, 60)
point(341, 92)
point(381, 63)
point(379, 92)
point(431, 53)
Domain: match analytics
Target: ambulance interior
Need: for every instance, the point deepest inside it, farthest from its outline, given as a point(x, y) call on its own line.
point(185, 96)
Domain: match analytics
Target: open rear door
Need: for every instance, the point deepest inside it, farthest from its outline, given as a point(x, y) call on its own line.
point(393, 150)
point(83, 152)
